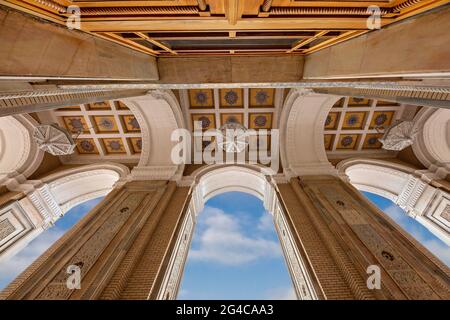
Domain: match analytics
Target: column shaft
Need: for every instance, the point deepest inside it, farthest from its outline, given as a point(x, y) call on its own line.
point(121, 247)
point(352, 235)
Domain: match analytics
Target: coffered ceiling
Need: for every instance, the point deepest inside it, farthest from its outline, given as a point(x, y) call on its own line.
point(354, 125)
point(224, 27)
point(254, 108)
point(105, 130)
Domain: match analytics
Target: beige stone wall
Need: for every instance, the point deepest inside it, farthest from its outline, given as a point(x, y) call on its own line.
point(230, 69)
point(413, 46)
point(30, 47)
point(348, 234)
point(121, 247)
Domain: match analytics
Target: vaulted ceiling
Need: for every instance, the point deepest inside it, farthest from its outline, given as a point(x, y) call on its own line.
point(105, 130)
point(224, 27)
point(354, 125)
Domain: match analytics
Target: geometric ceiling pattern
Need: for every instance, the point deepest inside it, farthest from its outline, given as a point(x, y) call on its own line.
point(224, 27)
point(354, 125)
point(102, 130)
point(254, 108)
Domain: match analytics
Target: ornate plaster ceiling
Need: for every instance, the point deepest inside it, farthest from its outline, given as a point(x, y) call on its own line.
point(224, 27)
point(354, 125)
point(103, 130)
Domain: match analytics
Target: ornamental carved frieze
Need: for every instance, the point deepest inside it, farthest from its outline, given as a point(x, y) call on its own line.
point(89, 252)
point(6, 228)
point(386, 253)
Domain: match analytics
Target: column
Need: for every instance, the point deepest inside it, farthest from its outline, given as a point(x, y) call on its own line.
point(342, 234)
point(122, 247)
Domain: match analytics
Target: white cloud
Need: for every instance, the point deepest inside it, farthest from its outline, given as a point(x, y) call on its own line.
point(11, 267)
point(265, 223)
point(287, 293)
point(223, 241)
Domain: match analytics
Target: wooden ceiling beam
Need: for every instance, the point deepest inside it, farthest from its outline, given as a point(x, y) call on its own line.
point(129, 43)
point(233, 12)
point(154, 42)
point(305, 42)
point(212, 24)
point(345, 36)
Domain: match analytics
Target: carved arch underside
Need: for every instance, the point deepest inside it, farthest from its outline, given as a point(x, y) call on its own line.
point(213, 180)
point(158, 114)
point(432, 143)
point(301, 136)
point(19, 154)
point(402, 185)
point(75, 186)
point(380, 177)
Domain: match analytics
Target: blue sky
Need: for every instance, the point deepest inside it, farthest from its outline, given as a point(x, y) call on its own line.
point(235, 253)
point(419, 232)
point(11, 267)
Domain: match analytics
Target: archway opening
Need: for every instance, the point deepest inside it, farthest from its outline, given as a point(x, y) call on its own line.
point(12, 266)
point(215, 180)
point(235, 253)
point(414, 228)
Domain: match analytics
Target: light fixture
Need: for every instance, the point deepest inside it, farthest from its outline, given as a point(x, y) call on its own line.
point(399, 136)
point(234, 137)
point(54, 139)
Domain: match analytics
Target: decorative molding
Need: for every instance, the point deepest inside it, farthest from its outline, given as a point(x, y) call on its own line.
point(142, 10)
point(323, 11)
point(306, 111)
point(157, 94)
point(46, 204)
point(16, 229)
point(303, 285)
point(432, 144)
point(410, 194)
point(19, 154)
point(153, 172)
point(410, 189)
point(172, 278)
point(158, 114)
point(388, 86)
point(6, 228)
point(40, 100)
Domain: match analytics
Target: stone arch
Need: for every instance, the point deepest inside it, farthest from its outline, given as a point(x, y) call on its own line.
point(48, 199)
point(19, 154)
point(212, 180)
point(301, 128)
point(384, 178)
point(404, 186)
point(432, 143)
point(74, 186)
point(158, 114)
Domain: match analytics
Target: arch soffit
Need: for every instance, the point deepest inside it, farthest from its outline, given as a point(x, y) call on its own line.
point(158, 114)
point(212, 180)
point(76, 185)
point(432, 143)
point(23, 157)
point(381, 177)
point(301, 133)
